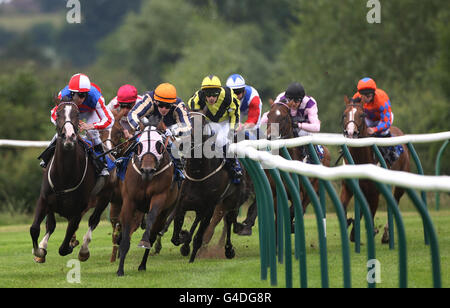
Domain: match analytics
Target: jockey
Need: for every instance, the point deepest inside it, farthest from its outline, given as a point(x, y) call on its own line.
point(222, 107)
point(250, 104)
point(164, 104)
point(127, 96)
point(304, 114)
point(93, 112)
point(379, 117)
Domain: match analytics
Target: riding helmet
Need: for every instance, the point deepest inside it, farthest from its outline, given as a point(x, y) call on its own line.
point(79, 83)
point(166, 92)
point(366, 86)
point(295, 90)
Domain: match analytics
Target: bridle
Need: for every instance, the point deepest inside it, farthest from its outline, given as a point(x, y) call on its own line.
point(158, 162)
point(75, 126)
point(194, 146)
point(360, 126)
point(285, 136)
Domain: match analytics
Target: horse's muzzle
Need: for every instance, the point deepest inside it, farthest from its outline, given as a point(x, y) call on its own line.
point(69, 142)
point(147, 174)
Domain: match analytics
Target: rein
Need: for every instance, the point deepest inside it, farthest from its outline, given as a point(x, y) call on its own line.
point(156, 173)
point(206, 177)
point(69, 189)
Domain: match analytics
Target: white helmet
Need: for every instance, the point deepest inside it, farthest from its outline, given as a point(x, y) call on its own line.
point(236, 81)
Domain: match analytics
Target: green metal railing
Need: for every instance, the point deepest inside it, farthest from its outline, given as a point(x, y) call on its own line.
point(288, 188)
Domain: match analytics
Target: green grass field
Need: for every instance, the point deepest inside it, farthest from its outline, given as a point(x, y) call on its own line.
point(171, 270)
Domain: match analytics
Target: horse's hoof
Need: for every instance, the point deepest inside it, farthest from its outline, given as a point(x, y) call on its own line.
point(185, 250)
point(144, 244)
point(40, 253)
point(64, 252)
point(238, 227)
point(39, 260)
point(229, 252)
point(120, 273)
point(83, 257)
point(142, 268)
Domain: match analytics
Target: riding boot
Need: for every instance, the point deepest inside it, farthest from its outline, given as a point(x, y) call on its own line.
point(234, 169)
point(389, 153)
point(48, 153)
point(233, 166)
point(100, 162)
point(178, 166)
point(179, 175)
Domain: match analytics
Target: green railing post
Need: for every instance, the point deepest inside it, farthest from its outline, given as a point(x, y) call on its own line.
point(437, 169)
point(282, 206)
point(316, 160)
point(357, 221)
point(423, 194)
point(300, 238)
point(321, 228)
point(268, 214)
point(389, 210)
point(392, 204)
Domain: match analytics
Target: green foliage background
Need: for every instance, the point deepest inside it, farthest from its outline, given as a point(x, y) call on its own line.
point(327, 45)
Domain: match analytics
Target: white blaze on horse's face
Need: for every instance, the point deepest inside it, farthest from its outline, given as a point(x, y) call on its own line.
point(351, 124)
point(68, 126)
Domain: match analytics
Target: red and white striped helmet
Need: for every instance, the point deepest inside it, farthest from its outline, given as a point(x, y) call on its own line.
point(79, 83)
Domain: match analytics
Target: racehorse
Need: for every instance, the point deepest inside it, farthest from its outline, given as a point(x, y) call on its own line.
point(68, 184)
point(280, 115)
point(148, 187)
point(206, 186)
point(354, 126)
point(114, 139)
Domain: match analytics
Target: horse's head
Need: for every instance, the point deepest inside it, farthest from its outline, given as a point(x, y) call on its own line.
point(201, 132)
point(150, 150)
point(67, 118)
point(354, 119)
point(279, 118)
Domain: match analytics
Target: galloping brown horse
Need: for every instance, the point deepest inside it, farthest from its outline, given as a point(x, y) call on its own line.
point(280, 114)
point(354, 126)
point(67, 186)
point(148, 187)
point(207, 186)
point(115, 139)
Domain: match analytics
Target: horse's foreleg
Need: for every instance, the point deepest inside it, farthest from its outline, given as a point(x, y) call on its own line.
point(204, 222)
point(65, 247)
point(35, 229)
point(229, 218)
point(102, 203)
point(126, 220)
point(114, 213)
point(216, 218)
point(178, 224)
point(345, 197)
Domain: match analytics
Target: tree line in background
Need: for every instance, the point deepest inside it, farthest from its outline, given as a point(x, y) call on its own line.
point(326, 45)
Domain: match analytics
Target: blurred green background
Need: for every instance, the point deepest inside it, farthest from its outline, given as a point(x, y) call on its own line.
point(326, 45)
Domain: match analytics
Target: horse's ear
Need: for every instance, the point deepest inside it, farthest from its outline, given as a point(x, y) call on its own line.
point(56, 100)
point(271, 101)
point(347, 101)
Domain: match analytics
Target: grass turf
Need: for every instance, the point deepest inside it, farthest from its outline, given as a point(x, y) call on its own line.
point(171, 270)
